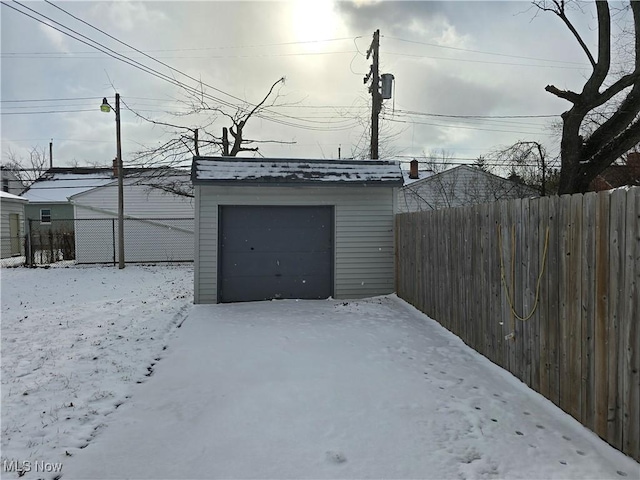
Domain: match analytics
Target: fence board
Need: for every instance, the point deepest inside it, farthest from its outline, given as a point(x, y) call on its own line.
point(553, 307)
point(536, 270)
point(500, 321)
point(505, 223)
point(631, 402)
point(523, 267)
point(563, 306)
point(543, 302)
point(574, 300)
point(473, 295)
point(601, 323)
point(616, 259)
point(588, 309)
point(516, 290)
point(481, 276)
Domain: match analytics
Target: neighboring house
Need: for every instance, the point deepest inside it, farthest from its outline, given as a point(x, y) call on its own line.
point(158, 225)
point(10, 181)
point(12, 224)
point(615, 176)
point(275, 228)
point(49, 207)
point(72, 213)
point(456, 187)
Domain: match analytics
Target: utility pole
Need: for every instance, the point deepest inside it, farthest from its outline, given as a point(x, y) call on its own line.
point(51, 153)
point(225, 141)
point(120, 187)
point(105, 107)
point(374, 89)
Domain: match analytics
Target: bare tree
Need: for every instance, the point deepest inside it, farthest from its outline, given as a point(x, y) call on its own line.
point(590, 143)
point(387, 135)
point(197, 139)
point(526, 160)
point(27, 169)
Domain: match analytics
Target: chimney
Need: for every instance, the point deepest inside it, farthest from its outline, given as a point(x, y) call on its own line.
point(114, 166)
point(413, 169)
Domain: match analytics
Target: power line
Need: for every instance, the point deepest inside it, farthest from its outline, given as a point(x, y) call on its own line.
point(50, 100)
point(188, 76)
point(457, 126)
point(47, 112)
point(77, 55)
point(225, 47)
point(482, 61)
point(485, 52)
point(412, 112)
point(104, 49)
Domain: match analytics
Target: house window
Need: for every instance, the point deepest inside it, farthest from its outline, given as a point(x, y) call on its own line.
point(45, 215)
point(5, 184)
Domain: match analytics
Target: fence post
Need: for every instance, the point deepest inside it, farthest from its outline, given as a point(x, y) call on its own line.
point(28, 261)
point(113, 239)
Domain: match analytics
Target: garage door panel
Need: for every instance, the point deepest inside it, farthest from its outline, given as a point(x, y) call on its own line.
point(272, 215)
point(308, 287)
point(250, 239)
point(284, 264)
point(275, 252)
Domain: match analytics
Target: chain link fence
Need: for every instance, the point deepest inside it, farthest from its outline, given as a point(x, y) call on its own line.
point(95, 240)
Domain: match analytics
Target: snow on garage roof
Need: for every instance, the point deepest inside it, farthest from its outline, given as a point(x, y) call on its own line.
point(278, 171)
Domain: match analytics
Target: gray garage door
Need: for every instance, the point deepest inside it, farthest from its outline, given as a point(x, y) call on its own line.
point(271, 252)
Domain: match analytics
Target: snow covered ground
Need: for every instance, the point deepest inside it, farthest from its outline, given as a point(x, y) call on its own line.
point(75, 342)
point(283, 389)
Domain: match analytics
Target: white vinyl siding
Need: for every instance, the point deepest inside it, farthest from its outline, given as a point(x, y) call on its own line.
point(150, 214)
point(8, 208)
point(364, 237)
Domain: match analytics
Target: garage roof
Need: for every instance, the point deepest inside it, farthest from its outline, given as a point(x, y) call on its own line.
point(279, 171)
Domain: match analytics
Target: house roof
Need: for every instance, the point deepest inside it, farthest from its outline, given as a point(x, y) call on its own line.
point(10, 196)
point(279, 171)
point(452, 171)
point(59, 184)
point(422, 174)
point(56, 185)
point(616, 176)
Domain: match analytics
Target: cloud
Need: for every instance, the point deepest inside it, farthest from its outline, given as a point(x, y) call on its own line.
point(393, 17)
point(55, 38)
point(128, 16)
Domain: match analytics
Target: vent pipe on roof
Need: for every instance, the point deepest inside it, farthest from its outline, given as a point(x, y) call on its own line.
point(413, 169)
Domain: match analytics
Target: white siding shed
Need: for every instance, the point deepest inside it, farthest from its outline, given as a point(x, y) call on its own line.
point(12, 225)
point(273, 228)
point(158, 225)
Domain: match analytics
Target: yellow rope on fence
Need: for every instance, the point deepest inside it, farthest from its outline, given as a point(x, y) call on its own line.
point(504, 283)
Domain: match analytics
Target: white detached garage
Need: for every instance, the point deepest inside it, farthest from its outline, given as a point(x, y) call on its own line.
point(276, 228)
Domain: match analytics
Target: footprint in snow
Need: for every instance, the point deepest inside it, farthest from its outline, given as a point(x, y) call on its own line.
point(335, 457)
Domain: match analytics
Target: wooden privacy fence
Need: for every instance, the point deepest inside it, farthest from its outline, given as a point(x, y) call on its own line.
point(572, 263)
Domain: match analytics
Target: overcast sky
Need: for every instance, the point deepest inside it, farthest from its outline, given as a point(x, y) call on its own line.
point(451, 61)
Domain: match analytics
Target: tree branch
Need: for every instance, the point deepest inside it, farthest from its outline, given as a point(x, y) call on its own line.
point(559, 10)
point(566, 94)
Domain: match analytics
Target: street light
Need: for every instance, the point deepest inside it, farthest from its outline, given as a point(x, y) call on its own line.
point(105, 107)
